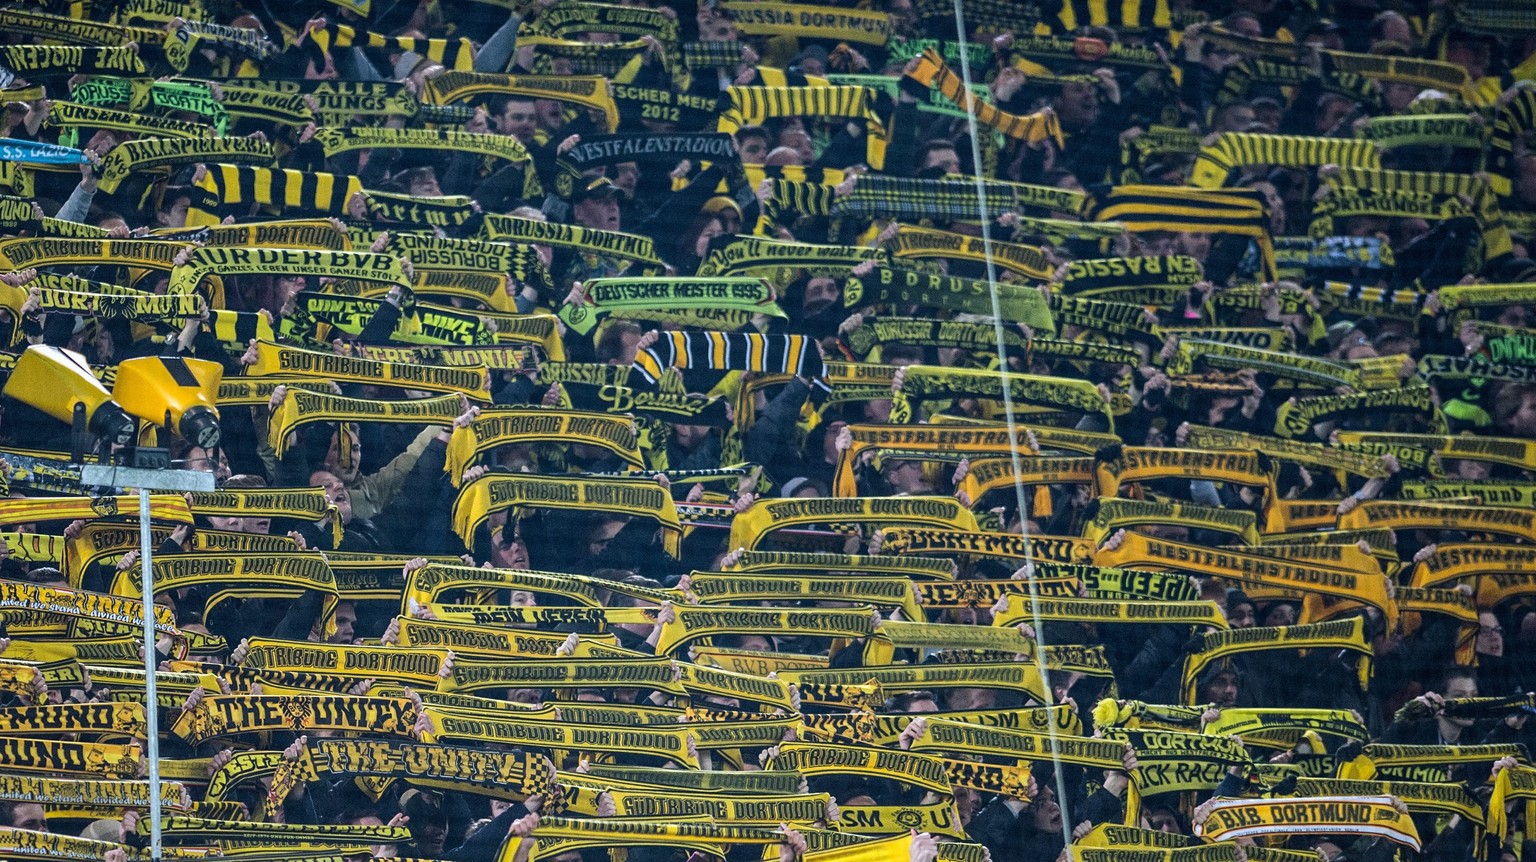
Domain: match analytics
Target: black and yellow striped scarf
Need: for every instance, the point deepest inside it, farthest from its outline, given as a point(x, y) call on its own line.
point(947, 199)
point(287, 190)
point(1032, 129)
point(727, 351)
point(996, 16)
point(750, 106)
point(1242, 149)
point(456, 54)
point(1168, 208)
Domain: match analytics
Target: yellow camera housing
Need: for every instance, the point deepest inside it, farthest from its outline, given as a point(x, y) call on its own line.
point(172, 390)
point(55, 381)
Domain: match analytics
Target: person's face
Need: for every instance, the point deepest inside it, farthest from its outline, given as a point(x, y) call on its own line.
point(29, 816)
point(371, 820)
point(1241, 617)
point(922, 707)
point(1330, 112)
point(333, 457)
point(1490, 635)
point(509, 551)
point(1523, 422)
point(430, 835)
point(1196, 245)
point(877, 411)
point(713, 26)
point(626, 175)
point(829, 442)
point(1078, 106)
point(174, 215)
point(1045, 812)
point(752, 149)
point(1394, 28)
point(520, 120)
point(257, 526)
point(346, 623)
point(1470, 56)
point(1222, 690)
point(964, 699)
point(779, 157)
point(800, 142)
point(1461, 686)
point(1269, 114)
point(1238, 119)
point(1163, 820)
point(1513, 315)
point(1525, 178)
point(689, 437)
point(335, 493)
point(1398, 95)
point(231, 523)
point(1157, 243)
point(820, 293)
point(967, 803)
point(207, 461)
point(945, 158)
point(424, 72)
point(288, 286)
point(630, 343)
point(425, 186)
point(601, 535)
point(1472, 471)
point(551, 114)
point(905, 476)
point(601, 212)
point(711, 230)
point(807, 491)
point(1280, 615)
point(1527, 628)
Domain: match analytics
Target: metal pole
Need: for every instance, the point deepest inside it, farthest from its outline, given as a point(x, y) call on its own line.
point(152, 700)
point(111, 477)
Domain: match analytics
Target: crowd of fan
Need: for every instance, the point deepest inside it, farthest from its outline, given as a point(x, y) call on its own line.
point(393, 499)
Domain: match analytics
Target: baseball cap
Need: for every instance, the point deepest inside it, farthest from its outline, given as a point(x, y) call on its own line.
point(595, 188)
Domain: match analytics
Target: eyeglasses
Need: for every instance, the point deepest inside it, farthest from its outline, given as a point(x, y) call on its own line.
point(1490, 630)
